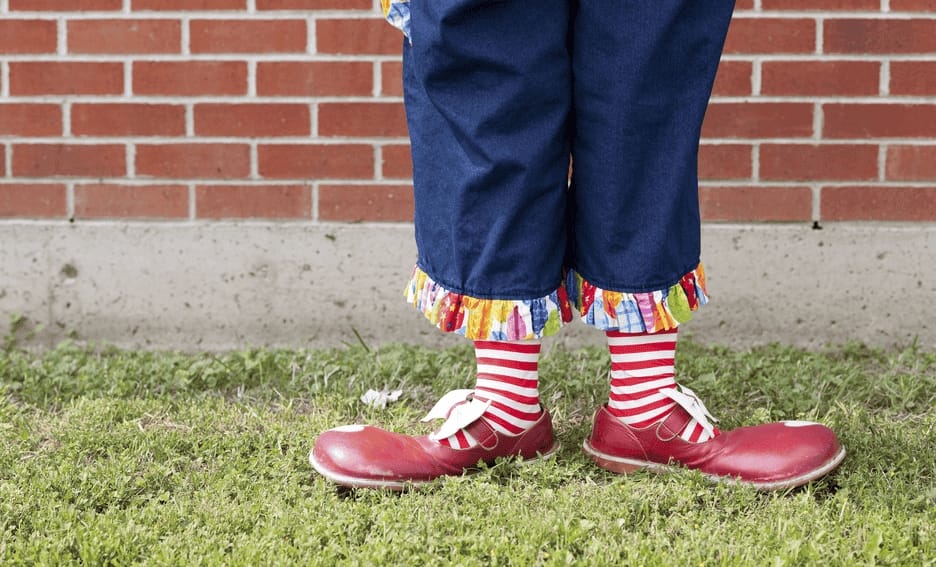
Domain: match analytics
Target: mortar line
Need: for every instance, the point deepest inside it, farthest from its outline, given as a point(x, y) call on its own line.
point(254, 161)
point(131, 161)
point(882, 162)
point(186, 35)
point(820, 26)
point(885, 77)
point(756, 77)
point(315, 201)
point(192, 213)
point(816, 203)
point(128, 78)
point(190, 120)
point(66, 119)
point(818, 121)
point(377, 89)
point(252, 78)
point(61, 37)
point(378, 162)
point(283, 15)
point(755, 162)
point(70, 200)
point(314, 122)
point(4, 78)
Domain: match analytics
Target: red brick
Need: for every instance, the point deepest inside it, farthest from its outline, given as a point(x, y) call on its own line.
point(252, 120)
point(377, 119)
point(818, 78)
point(397, 162)
point(30, 120)
point(316, 161)
point(76, 160)
point(315, 78)
point(821, 5)
point(744, 5)
point(27, 36)
point(355, 36)
point(870, 203)
point(180, 5)
point(189, 78)
point(253, 201)
point(725, 161)
point(131, 201)
point(124, 36)
point(65, 5)
point(193, 161)
point(733, 79)
point(758, 120)
point(57, 77)
point(913, 78)
point(391, 77)
point(911, 163)
point(913, 5)
point(314, 4)
point(26, 200)
point(366, 203)
point(879, 36)
point(248, 36)
point(879, 120)
point(755, 203)
point(128, 119)
point(803, 162)
point(771, 35)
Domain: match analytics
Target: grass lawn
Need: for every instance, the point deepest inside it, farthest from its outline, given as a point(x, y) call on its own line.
point(130, 457)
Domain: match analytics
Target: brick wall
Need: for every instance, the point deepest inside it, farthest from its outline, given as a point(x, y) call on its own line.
point(209, 109)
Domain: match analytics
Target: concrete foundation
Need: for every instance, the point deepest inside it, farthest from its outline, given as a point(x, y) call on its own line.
point(217, 286)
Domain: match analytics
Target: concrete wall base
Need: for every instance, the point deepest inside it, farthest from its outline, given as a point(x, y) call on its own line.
point(218, 286)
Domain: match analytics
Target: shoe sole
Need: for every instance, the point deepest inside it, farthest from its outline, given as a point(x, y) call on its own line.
point(622, 465)
point(355, 482)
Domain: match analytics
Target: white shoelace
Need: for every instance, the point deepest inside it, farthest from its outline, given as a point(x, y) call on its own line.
point(457, 415)
point(692, 404)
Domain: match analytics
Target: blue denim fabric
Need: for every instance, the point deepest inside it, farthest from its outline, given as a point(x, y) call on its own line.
point(500, 93)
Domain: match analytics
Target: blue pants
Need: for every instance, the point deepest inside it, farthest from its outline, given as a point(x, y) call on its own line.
point(500, 95)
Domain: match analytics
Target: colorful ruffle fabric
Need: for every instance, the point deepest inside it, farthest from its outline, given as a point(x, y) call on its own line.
point(397, 13)
point(648, 312)
point(488, 319)
point(510, 320)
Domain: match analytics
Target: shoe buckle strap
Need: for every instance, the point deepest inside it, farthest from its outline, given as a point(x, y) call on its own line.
point(688, 400)
point(459, 410)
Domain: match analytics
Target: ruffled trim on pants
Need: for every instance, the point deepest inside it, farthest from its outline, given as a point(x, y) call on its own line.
point(648, 312)
point(488, 319)
point(512, 320)
point(397, 12)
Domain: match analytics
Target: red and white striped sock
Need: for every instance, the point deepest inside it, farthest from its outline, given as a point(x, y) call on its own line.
point(641, 366)
point(508, 377)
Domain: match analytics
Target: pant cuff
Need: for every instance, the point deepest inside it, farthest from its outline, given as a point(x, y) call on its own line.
point(488, 319)
point(648, 312)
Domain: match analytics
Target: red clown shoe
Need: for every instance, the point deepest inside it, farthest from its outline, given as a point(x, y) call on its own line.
point(772, 456)
point(361, 456)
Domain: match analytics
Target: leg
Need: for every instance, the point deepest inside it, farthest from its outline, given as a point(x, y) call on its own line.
point(643, 75)
point(488, 96)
